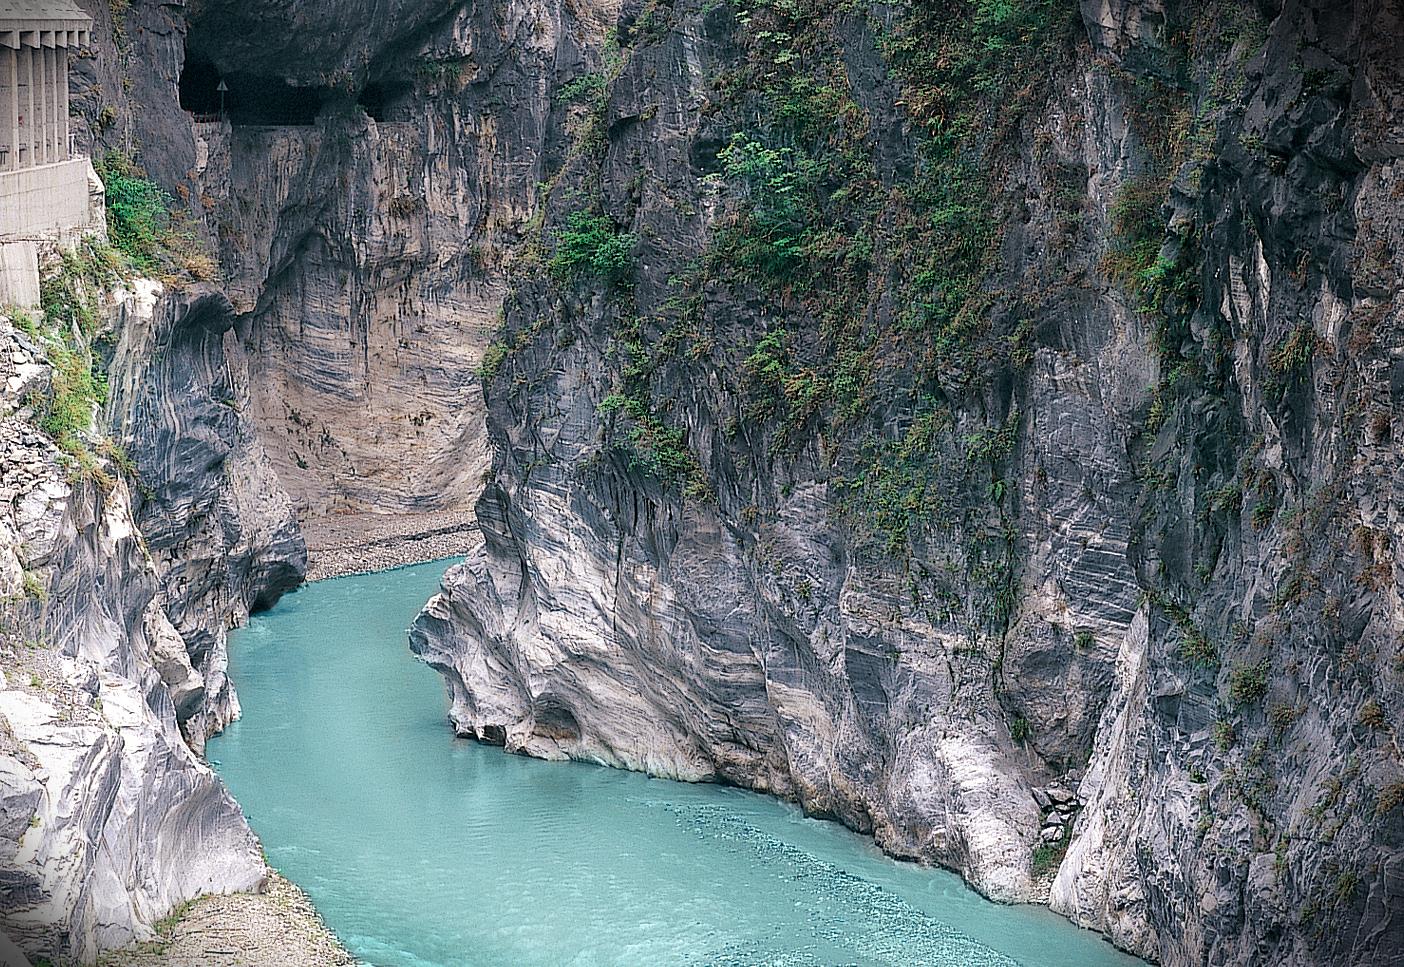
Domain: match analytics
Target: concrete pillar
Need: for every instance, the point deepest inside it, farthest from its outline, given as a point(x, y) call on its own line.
point(41, 110)
point(46, 104)
point(63, 103)
point(12, 132)
point(60, 149)
point(51, 80)
point(30, 117)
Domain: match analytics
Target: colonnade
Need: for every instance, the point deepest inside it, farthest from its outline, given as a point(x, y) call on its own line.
point(34, 96)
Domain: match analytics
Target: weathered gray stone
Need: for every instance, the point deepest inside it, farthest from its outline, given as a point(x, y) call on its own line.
point(116, 819)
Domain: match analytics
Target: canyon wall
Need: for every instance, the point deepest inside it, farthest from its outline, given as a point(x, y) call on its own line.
point(971, 420)
point(976, 423)
point(365, 246)
point(112, 653)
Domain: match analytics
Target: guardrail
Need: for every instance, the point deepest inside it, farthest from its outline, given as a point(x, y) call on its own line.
point(71, 154)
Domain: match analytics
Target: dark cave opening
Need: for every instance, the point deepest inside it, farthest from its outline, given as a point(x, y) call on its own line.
point(251, 99)
point(386, 100)
point(199, 86)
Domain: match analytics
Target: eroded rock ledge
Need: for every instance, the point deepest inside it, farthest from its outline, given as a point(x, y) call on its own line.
point(1192, 476)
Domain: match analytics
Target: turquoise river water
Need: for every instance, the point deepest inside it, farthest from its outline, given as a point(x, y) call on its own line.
point(422, 849)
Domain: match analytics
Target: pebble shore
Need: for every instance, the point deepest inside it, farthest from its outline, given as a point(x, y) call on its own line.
point(276, 928)
point(364, 543)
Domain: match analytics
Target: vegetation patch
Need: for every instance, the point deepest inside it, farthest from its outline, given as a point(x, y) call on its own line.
point(144, 224)
point(1248, 683)
point(71, 322)
point(590, 246)
point(656, 448)
point(886, 273)
point(1047, 857)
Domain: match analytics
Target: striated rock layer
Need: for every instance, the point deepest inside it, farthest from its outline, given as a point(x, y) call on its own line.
point(219, 528)
point(110, 818)
point(364, 247)
point(1152, 631)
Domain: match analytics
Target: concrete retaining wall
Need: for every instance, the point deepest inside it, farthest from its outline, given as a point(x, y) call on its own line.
point(42, 209)
point(19, 276)
point(47, 202)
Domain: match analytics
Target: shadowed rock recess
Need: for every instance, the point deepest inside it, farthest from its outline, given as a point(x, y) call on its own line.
point(972, 420)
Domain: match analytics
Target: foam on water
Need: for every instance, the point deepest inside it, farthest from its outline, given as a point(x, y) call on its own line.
point(422, 850)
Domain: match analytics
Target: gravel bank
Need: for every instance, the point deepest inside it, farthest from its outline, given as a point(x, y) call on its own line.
point(362, 543)
point(276, 928)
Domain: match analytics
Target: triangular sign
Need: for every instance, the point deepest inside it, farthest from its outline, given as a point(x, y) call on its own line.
point(222, 86)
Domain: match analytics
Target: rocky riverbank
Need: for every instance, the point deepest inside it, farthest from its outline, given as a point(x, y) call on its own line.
point(362, 543)
point(278, 927)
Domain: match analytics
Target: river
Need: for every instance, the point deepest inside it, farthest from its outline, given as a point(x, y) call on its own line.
point(421, 849)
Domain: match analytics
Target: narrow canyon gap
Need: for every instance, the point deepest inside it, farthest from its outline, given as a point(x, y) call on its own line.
point(969, 421)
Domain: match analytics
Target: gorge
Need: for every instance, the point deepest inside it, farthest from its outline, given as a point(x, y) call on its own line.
point(970, 421)
point(396, 833)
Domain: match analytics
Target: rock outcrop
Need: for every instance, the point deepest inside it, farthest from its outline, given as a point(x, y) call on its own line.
point(1102, 508)
point(109, 818)
point(218, 526)
point(364, 246)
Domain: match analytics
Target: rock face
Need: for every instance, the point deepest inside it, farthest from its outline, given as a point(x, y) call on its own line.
point(970, 420)
point(1143, 550)
point(220, 530)
point(107, 817)
point(364, 246)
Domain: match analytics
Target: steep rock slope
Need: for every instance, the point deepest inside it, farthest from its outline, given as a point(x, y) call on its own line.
point(110, 819)
point(364, 244)
point(932, 411)
point(218, 526)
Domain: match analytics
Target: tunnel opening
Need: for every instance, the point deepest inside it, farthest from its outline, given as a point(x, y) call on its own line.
point(386, 100)
point(199, 87)
point(250, 99)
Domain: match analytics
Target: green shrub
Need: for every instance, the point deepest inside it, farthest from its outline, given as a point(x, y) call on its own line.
point(993, 443)
point(774, 241)
point(138, 212)
point(1282, 715)
point(493, 358)
point(33, 586)
point(590, 246)
point(24, 321)
point(1388, 799)
point(69, 294)
point(1223, 735)
point(1372, 716)
point(1047, 857)
point(1197, 649)
point(588, 88)
point(1347, 883)
point(1295, 352)
point(75, 390)
point(655, 447)
point(1138, 230)
point(1248, 683)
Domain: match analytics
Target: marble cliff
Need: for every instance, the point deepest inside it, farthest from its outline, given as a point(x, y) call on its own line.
point(971, 420)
